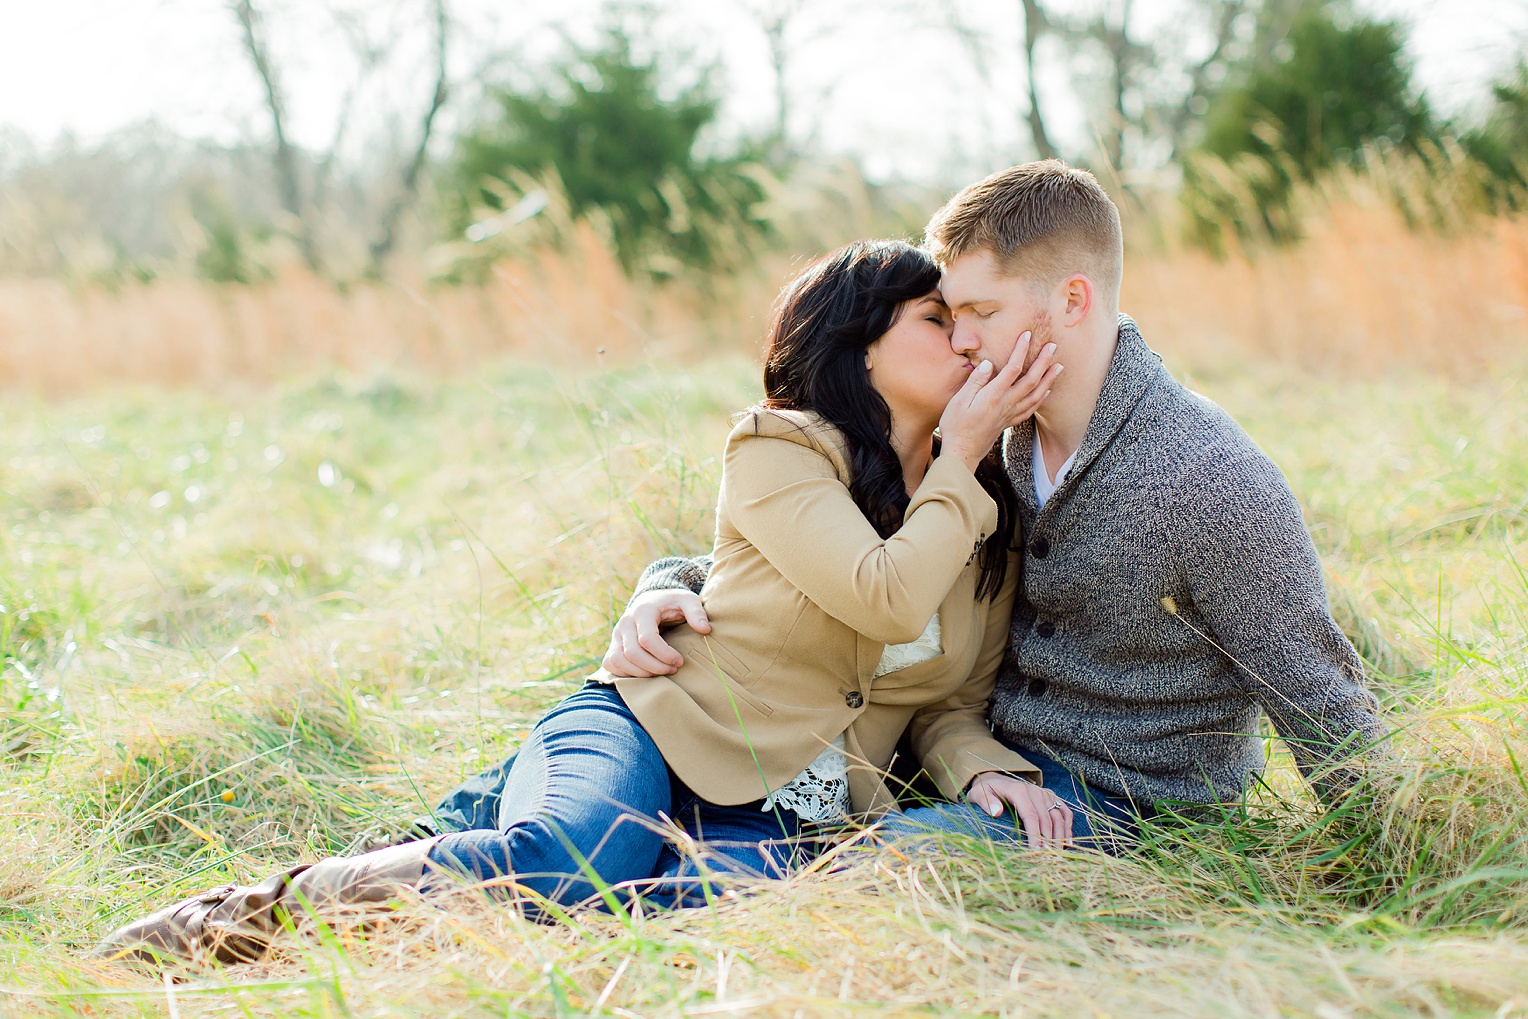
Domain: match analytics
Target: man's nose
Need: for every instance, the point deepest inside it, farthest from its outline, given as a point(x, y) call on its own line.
point(963, 338)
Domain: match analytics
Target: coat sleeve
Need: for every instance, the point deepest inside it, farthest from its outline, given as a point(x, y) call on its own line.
point(951, 737)
point(783, 495)
point(1255, 581)
point(674, 573)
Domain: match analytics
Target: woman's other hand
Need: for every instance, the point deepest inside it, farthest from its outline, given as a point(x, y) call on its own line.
point(1046, 817)
point(637, 648)
point(986, 405)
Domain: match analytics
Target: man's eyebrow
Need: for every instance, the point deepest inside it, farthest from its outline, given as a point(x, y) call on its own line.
point(972, 302)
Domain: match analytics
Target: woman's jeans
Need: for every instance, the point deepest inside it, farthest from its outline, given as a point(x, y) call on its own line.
point(589, 811)
point(1099, 821)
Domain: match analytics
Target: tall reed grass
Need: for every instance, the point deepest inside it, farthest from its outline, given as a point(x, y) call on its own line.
point(1362, 293)
point(1398, 265)
point(572, 304)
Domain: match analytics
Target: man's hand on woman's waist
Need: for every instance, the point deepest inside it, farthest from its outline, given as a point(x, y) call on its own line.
point(637, 648)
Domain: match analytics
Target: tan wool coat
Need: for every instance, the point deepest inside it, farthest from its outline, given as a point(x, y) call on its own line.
point(803, 598)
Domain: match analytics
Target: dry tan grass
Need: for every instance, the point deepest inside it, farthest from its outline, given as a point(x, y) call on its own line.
point(57, 338)
point(926, 934)
point(1363, 293)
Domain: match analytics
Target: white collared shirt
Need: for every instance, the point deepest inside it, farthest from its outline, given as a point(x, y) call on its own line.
point(1044, 486)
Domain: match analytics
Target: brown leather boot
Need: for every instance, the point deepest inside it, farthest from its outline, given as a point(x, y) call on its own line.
point(234, 924)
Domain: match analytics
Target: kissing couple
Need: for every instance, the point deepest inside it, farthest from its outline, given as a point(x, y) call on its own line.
point(974, 515)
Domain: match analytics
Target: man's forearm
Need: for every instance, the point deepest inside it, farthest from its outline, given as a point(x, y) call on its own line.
point(1328, 729)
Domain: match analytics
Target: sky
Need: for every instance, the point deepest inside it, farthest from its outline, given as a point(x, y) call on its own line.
point(883, 81)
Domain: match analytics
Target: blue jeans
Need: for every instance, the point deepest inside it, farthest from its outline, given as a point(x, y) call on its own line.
point(588, 811)
point(1107, 823)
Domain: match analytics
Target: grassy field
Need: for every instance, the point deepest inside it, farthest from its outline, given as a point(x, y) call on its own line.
point(243, 625)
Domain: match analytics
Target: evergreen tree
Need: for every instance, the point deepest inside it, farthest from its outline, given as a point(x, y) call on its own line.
point(1501, 143)
point(1333, 88)
point(619, 146)
point(1337, 88)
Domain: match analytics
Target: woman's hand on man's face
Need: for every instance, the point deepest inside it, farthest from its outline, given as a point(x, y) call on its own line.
point(1046, 818)
point(637, 648)
point(987, 404)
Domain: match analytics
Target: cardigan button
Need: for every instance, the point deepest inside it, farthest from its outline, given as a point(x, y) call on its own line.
point(1039, 548)
point(1037, 687)
point(1045, 628)
point(854, 699)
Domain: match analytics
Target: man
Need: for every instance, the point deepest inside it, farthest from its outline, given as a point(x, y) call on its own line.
point(1170, 591)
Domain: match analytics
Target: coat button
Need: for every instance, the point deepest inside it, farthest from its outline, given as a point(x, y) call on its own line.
point(1045, 628)
point(1039, 548)
point(1037, 687)
point(854, 699)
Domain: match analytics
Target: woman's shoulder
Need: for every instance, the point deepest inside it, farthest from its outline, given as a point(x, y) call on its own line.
point(804, 427)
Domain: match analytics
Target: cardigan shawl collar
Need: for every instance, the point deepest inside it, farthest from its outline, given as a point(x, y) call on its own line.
point(1133, 370)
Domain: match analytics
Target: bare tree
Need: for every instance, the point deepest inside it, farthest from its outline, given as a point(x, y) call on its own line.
point(289, 185)
point(977, 45)
point(1202, 75)
point(408, 184)
point(1109, 31)
point(304, 192)
point(775, 18)
point(1036, 24)
point(370, 54)
point(1153, 89)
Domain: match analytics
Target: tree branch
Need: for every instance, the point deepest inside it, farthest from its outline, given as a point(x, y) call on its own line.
point(408, 185)
point(1036, 23)
point(290, 187)
point(1199, 75)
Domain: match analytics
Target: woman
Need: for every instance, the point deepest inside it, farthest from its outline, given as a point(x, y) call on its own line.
point(862, 582)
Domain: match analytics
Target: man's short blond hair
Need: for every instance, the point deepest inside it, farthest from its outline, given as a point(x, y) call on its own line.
point(1043, 221)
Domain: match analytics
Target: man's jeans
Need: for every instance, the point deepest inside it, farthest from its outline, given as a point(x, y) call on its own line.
point(1107, 823)
point(588, 807)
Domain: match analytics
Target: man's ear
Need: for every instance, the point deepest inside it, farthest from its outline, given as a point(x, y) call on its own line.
point(1075, 298)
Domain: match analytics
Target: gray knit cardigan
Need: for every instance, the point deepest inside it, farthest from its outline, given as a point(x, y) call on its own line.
point(1171, 593)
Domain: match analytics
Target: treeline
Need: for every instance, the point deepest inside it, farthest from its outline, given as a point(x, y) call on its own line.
point(1234, 110)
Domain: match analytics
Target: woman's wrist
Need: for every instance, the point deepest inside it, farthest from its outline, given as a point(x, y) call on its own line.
point(963, 452)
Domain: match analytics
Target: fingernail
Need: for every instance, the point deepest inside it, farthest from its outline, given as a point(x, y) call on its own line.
point(985, 366)
point(994, 811)
point(1060, 368)
point(1026, 336)
point(1050, 348)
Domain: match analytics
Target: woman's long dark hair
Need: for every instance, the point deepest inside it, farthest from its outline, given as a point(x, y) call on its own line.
point(814, 360)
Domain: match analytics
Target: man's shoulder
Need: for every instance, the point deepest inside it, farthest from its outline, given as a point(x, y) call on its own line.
point(1198, 439)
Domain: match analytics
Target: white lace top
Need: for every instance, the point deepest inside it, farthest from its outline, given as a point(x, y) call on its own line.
point(821, 792)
